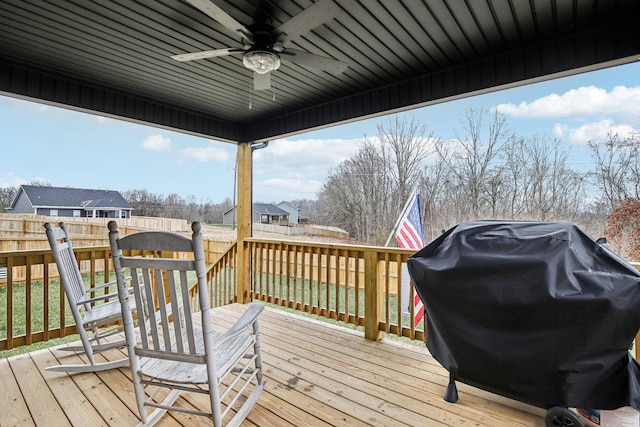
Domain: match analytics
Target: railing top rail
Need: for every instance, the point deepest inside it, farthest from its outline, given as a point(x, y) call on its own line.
point(37, 253)
point(346, 246)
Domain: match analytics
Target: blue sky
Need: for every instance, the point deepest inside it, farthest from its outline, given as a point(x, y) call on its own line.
point(71, 149)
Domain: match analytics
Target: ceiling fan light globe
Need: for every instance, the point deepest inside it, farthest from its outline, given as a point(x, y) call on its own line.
point(261, 61)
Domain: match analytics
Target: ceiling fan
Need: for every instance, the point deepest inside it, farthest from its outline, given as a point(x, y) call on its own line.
point(263, 45)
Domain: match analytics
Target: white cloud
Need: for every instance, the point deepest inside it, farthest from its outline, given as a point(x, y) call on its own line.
point(24, 105)
point(278, 189)
point(588, 112)
point(102, 120)
point(297, 167)
point(303, 156)
point(40, 108)
point(590, 131)
point(11, 180)
point(157, 143)
point(205, 154)
point(582, 103)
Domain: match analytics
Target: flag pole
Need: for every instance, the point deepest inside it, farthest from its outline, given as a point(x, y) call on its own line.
point(404, 210)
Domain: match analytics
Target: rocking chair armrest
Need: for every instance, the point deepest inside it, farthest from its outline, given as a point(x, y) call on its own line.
point(105, 296)
point(247, 319)
point(104, 285)
point(98, 298)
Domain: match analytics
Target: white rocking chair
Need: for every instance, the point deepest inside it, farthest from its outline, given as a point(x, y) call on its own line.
point(88, 315)
point(171, 352)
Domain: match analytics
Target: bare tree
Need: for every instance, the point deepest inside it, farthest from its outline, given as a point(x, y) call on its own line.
point(40, 183)
point(433, 195)
point(173, 206)
point(7, 194)
point(471, 157)
point(517, 179)
point(366, 192)
point(552, 191)
point(404, 147)
point(307, 208)
point(144, 203)
point(353, 193)
point(617, 167)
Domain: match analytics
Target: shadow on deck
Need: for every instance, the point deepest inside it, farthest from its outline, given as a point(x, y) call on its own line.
point(317, 375)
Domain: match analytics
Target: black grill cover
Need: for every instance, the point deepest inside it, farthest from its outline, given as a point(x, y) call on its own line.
point(535, 311)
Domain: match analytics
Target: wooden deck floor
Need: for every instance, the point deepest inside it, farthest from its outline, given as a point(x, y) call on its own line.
point(317, 375)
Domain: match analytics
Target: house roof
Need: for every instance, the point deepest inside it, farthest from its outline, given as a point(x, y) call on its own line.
point(73, 198)
point(264, 208)
point(288, 204)
point(114, 58)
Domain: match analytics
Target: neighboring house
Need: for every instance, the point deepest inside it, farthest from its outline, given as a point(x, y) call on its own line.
point(70, 202)
point(261, 212)
point(294, 213)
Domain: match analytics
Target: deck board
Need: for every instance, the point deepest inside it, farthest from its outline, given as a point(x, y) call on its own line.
point(11, 397)
point(71, 399)
point(317, 375)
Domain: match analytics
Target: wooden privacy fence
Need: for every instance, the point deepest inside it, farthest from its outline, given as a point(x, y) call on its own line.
point(26, 232)
point(301, 230)
point(26, 224)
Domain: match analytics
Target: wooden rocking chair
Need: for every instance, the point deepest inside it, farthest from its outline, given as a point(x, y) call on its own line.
point(171, 352)
point(90, 313)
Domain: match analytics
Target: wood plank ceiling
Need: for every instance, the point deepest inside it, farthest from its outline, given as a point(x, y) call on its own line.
point(114, 57)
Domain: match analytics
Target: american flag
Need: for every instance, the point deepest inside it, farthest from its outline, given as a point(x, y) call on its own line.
point(409, 236)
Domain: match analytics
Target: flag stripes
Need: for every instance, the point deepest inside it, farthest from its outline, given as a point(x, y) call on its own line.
point(409, 235)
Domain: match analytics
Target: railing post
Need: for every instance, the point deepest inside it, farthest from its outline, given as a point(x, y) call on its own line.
point(372, 308)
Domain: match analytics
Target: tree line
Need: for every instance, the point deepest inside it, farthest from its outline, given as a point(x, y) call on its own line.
point(486, 171)
point(146, 203)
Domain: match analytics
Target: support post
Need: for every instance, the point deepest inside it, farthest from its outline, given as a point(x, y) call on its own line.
point(372, 308)
point(244, 213)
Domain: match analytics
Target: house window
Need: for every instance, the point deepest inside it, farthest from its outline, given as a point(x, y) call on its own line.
point(123, 214)
point(264, 219)
point(76, 213)
point(53, 212)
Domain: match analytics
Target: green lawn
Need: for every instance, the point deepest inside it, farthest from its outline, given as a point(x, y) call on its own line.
point(19, 306)
point(315, 293)
point(307, 292)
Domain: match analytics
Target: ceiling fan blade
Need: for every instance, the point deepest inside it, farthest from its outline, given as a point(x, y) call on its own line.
point(323, 63)
point(261, 81)
point(206, 54)
point(316, 14)
point(211, 9)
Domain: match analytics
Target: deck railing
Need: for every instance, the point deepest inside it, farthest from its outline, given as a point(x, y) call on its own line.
point(354, 284)
point(32, 303)
point(358, 285)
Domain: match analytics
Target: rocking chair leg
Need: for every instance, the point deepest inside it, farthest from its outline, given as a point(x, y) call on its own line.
point(96, 348)
point(88, 367)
